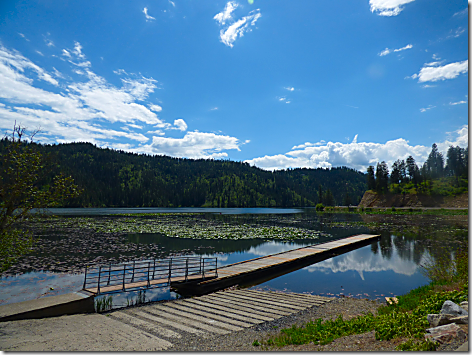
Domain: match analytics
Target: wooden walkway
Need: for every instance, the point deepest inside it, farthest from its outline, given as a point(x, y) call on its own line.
point(274, 265)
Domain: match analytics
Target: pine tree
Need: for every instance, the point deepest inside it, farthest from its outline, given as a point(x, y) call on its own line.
point(371, 178)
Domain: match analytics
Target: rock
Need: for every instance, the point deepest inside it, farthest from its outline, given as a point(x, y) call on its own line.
point(445, 333)
point(465, 305)
point(439, 319)
point(460, 320)
point(453, 309)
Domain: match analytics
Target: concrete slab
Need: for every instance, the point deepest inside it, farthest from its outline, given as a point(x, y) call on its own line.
point(84, 332)
point(187, 321)
point(53, 306)
point(149, 327)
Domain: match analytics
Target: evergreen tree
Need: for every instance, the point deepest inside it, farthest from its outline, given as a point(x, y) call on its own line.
point(381, 177)
point(371, 178)
point(435, 163)
point(328, 198)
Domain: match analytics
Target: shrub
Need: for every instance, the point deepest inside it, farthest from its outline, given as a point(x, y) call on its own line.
point(319, 207)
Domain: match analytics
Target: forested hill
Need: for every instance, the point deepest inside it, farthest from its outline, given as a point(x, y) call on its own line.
point(116, 178)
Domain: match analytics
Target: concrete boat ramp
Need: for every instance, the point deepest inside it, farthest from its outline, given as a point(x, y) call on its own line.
point(154, 327)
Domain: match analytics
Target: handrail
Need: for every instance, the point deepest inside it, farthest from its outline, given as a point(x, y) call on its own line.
point(137, 274)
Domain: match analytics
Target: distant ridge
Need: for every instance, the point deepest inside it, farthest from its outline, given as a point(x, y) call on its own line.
point(112, 178)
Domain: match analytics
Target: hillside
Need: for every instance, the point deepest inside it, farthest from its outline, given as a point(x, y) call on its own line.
point(373, 199)
point(113, 178)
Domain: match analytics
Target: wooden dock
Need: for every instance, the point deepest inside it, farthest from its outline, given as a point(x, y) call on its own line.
point(254, 271)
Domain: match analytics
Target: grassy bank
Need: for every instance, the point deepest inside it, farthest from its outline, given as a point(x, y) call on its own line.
point(406, 319)
point(396, 211)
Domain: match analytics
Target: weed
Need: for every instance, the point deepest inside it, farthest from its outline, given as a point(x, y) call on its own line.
point(140, 299)
point(393, 321)
point(411, 345)
point(256, 343)
point(103, 304)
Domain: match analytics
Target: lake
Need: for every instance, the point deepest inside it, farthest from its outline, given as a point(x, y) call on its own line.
point(388, 267)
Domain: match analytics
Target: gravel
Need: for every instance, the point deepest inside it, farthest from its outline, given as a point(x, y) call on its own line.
point(348, 307)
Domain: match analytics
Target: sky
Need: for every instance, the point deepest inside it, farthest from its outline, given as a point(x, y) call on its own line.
point(277, 84)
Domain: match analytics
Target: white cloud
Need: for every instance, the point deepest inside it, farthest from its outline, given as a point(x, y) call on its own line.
point(148, 17)
point(158, 132)
point(290, 88)
point(48, 42)
point(196, 145)
point(428, 86)
point(180, 124)
point(172, 3)
point(65, 115)
point(225, 15)
point(22, 35)
point(457, 103)
point(230, 33)
point(387, 7)
point(388, 51)
point(214, 109)
point(155, 108)
point(134, 126)
point(66, 53)
point(433, 64)
point(41, 54)
point(78, 50)
point(427, 108)
point(435, 73)
point(384, 52)
point(357, 155)
point(462, 13)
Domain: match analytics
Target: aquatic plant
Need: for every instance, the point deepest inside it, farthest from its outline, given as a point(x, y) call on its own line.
point(103, 304)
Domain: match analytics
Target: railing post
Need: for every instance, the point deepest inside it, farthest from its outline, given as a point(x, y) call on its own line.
point(124, 275)
point(200, 264)
point(134, 265)
point(170, 270)
point(109, 274)
point(186, 269)
point(98, 286)
point(203, 268)
point(85, 280)
point(154, 268)
point(149, 270)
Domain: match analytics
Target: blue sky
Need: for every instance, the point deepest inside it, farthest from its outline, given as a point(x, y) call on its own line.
point(278, 84)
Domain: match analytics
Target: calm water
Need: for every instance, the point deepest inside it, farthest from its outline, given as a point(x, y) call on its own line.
point(385, 268)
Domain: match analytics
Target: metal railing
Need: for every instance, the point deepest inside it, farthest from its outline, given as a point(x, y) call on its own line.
point(150, 273)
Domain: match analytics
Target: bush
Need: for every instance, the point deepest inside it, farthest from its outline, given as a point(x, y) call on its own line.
point(319, 207)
